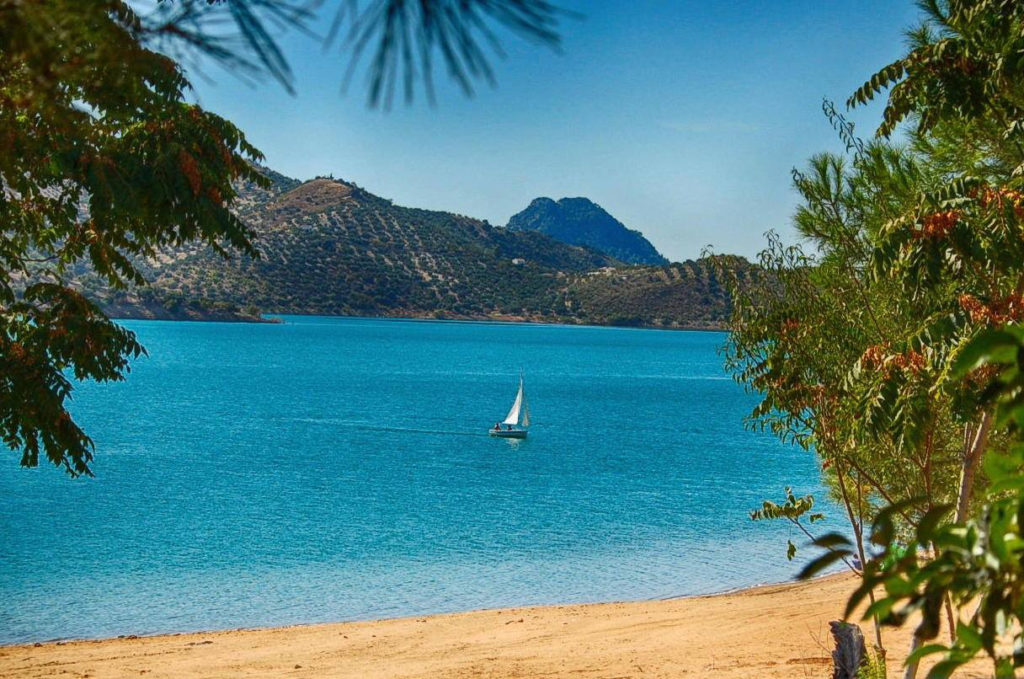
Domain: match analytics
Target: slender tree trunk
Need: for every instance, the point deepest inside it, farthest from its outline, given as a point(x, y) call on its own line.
point(858, 534)
point(917, 641)
point(972, 455)
point(951, 619)
point(975, 441)
point(878, 629)
point(911, 671)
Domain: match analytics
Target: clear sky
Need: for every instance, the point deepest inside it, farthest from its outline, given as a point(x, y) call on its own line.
point(682, 119)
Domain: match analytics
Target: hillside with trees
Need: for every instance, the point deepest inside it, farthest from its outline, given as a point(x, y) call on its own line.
point(691, 294)
point(329, 247)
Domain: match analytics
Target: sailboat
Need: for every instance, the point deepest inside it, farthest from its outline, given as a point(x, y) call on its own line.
point(517, 421)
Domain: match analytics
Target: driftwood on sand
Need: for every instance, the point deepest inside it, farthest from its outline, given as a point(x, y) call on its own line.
point(850, 653)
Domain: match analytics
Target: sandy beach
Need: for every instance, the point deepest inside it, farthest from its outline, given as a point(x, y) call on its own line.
point(772, 631)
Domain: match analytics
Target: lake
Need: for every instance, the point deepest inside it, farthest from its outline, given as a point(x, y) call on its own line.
point(327, 469)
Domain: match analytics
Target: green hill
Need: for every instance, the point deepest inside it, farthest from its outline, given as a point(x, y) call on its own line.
point(330, 247)
point(690, 294)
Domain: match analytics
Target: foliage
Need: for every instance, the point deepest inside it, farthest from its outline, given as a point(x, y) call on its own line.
point(965, 63)
point(800, 334)
point(874, 666)
point(92, 119)
point(793, 510)
point(851, 349)
point(402, 40)
point(979, 564)
point(948, 260)
point(406, 37)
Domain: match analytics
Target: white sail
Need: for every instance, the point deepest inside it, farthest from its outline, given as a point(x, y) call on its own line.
point(513, 413)
point(526, 411)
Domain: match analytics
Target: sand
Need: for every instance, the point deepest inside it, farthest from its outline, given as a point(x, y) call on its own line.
point(774, 631)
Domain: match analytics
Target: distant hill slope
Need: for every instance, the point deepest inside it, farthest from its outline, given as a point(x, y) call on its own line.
point(580, 221)
point(689, 294)
point(330, 247)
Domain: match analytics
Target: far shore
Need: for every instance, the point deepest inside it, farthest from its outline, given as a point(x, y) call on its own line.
point(201, 317)
point(773, 631)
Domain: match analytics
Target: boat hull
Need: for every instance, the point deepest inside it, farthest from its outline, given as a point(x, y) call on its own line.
point(508, 433)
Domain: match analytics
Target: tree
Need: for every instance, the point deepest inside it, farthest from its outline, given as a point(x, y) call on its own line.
point(103, 161)
point(962, 85)
point(978, 564)
point(811, 331)
point(958, 250)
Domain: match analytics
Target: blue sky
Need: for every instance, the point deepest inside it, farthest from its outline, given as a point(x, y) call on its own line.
point(682, 119)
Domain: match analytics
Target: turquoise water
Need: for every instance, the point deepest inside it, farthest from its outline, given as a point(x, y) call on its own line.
point(332, 469)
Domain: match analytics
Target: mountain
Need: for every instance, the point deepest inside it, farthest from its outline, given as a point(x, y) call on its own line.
point(330, 247)
point(580, 221)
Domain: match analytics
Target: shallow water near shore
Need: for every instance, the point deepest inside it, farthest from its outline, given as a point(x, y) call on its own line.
point(330, 469)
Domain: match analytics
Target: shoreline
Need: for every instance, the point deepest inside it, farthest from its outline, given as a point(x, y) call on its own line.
point(739, 589)
point(774, 630)
point(276, 318)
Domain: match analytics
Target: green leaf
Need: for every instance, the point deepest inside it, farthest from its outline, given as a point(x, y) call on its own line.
point(899, 588)
point(867, 585)
point(831, 541)
point(991, 346)
point(926, 650)
point(929, 523)
point(944, 669)
point(969, 637)
point(880, 609)
point(821, 563)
